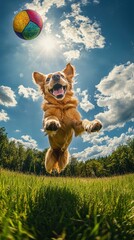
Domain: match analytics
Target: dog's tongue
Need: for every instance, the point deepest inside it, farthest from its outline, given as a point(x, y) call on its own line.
point(60, 91)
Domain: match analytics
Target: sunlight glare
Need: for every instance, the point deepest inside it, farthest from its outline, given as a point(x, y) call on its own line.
point(48, 44)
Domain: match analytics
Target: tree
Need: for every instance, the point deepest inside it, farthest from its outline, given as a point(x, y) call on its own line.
point(16, 157)
point(3, 147)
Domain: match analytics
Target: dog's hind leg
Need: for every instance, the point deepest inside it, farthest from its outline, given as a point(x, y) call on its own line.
point(56, 159)
point(51, 161)
point(63, 159)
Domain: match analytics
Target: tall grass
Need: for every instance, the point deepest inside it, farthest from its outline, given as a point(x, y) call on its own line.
point(48, 208)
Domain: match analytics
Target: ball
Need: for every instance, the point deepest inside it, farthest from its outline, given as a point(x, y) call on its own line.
point(27, 24)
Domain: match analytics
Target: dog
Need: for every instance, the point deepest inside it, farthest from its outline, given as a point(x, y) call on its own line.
point(61, 117)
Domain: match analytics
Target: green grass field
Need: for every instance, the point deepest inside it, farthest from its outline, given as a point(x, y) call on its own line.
point(48, 208)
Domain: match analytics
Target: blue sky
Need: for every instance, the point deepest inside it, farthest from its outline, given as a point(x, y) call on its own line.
point(97, 37)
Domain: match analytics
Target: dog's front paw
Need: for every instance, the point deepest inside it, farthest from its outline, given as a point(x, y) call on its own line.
point(96, 125)
point(52, 125)
point(93, 126)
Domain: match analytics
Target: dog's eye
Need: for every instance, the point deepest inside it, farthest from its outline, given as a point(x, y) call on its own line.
point(62, 76)
point(48, 79)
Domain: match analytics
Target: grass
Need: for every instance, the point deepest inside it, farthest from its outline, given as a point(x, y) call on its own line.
point(46, 208)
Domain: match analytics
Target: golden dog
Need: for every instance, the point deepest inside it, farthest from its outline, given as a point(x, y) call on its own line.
point(61, 118)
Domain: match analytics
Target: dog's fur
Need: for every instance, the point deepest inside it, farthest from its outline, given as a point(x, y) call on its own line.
point(61, 118)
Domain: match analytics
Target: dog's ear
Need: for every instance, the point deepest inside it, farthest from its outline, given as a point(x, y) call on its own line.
point(69, 71)
point(39, 78)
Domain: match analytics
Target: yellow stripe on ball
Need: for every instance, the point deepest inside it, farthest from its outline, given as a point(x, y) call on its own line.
point(20, 21)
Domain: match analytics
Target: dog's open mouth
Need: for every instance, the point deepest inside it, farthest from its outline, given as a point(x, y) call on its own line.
point(58, 91)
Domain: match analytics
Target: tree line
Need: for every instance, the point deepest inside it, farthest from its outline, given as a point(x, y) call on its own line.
point(16, 157)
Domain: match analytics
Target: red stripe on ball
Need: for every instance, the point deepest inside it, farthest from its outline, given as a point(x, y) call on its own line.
point(35, 17)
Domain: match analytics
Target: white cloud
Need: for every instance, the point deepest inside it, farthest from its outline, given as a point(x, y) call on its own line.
point(117, 97)
point(78, 29)
point(76, 10)
point(17, 130)
point(70, 32)
point(21, 75)
point(28, 93)
point(73, 149)
point(95, 138)
point(26, 137)
point(84, 103)
point(7, 97)
point(96, 1)
point(4, 116)
point(103, 146)
point(85, 2)
point(75, 32)
point(26, 140)
point(48, 27)
point(72, 54)
point(131, 130)
point(42, 7)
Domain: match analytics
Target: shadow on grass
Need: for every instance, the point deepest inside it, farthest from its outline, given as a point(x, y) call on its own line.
point(57, 213)
point(51, 213)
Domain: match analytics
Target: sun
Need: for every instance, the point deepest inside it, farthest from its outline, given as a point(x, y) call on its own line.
point(48, 44)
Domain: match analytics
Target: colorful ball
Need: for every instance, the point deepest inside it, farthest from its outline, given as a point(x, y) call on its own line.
point(27, 24)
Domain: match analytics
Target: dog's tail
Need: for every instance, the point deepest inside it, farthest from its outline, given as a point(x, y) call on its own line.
point(56, 159)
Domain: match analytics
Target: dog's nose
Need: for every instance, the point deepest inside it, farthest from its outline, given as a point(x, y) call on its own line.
point(56, 77)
